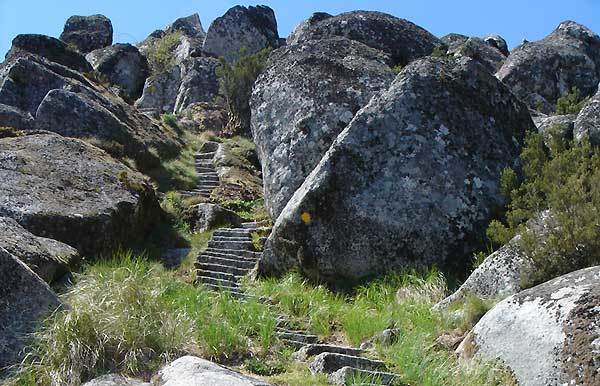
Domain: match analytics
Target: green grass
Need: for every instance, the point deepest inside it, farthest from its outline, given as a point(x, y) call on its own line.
point(131, 316)
point(404, 301)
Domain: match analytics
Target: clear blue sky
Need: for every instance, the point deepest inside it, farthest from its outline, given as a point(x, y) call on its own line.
point(133, 20)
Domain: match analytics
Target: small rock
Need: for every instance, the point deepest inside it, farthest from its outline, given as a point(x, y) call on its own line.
point(192, 371)
point(115, 380)
point(205, 216)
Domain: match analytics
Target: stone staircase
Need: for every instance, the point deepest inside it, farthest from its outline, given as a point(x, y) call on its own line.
point(229, 257)
point(208, 178)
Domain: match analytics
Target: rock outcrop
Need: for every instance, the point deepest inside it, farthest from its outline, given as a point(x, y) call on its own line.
point(190, 26)
point(48, 258)
point(499, 43)
point(541, 72)
point(412, 180)
point(122, 65)
point(242, 28)
point(296, 115)
point(402, 40)
point(453, 40)
point(49, 92)
point(70, 191)
point(160, 91)
point(547, 335)
point(199, 82)
point(587, 123)
point(203, 217)
point(49, 48)
point(477, 49)
point(24, 300)
point(188, 371)
point(88, 33)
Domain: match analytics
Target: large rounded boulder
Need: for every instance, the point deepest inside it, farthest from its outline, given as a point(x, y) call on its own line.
point(88, 33)
point(402, 40)
point(296, 115)
point(122, 65)
point(241, 28)
point(541, 72)
point(412, 180)
point(547, 335)
point(49, 48)
point(70, 191)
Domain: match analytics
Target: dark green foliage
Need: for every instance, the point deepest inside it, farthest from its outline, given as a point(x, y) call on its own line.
point(235, 86)
point(264, 368)
point(170, 120)
point(160, 53)
point(8, 132)
point(571, 103)
point(563, 178)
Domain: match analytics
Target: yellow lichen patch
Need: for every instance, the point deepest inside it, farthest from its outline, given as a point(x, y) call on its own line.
point(306, 217)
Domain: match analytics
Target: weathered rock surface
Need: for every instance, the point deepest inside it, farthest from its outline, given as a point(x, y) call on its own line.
point(13, 117)
point(192, 371)
point(207, 216)
point(413, 179)
point(479, 50)
point(564, 124)
point(49, 259)
point(499, 43)
point(70, 191)
point(24, 300)
point(122, 65)
point(160, 91)
point(402, 40)
point(88, 33)
point(587, 123)
point(190, 26)
point(541, 72)
point(547, 335)
point(115, 380)
point(248, 28)
point(296, 115)
point(50, 48)
point(199, 82)
point(453, 40)
point(49, 92)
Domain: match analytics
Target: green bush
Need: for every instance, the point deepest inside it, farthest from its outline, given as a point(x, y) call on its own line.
point(160, 53)
point(170, 120)
point(235, 86)
point(563, 178)
point(571, 103)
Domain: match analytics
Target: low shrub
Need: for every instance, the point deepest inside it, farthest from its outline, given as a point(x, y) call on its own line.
point(571, 103)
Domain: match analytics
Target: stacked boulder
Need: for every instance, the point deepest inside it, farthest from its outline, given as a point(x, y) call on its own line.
point(349, 162)
point(88, 33)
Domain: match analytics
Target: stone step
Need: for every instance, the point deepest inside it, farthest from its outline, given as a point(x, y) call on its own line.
point(233, 253)
point(312, 350)
point(250, 225)
point(212, 174)
point(231, 238)
point(233, 291)
point(217, 282)
point(328, 363)
point(205, 169)
point(348, 375)
point(193, 193)
point(203, 156)
point(209, 180)
point(299, 337)
point(237, 271)
point(223, 275)
point(238, 245)
point(237, 232)
point(230, 262)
